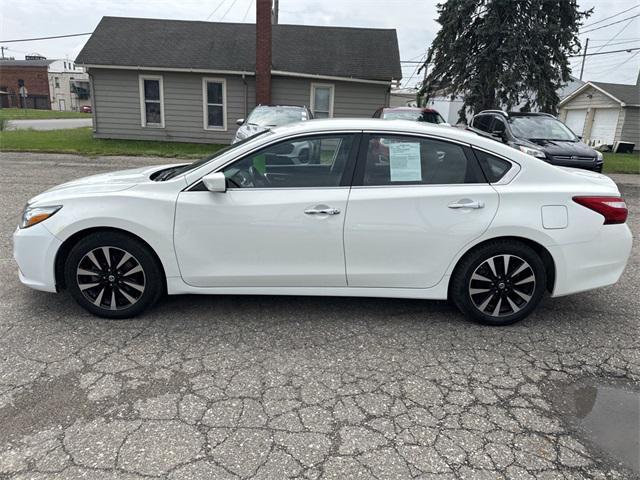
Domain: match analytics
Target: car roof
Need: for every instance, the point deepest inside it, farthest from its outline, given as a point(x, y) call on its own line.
point(392, 126)
point(301, 107)
point(410, 109)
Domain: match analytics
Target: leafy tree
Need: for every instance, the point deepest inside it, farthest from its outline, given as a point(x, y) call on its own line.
point(500, 53)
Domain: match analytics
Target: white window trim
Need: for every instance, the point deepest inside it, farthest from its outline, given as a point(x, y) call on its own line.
point(205, 104)
point(143, 112)
point(312, 101)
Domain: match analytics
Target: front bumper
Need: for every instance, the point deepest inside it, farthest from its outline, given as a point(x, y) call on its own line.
point(594, 165)
point(594, 264)
point(34, 250)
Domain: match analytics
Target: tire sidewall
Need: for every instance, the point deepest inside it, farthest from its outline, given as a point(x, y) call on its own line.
point(462, 278)
point(154, 285)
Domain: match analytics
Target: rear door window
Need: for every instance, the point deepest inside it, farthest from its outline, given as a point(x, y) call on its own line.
point(406, 160)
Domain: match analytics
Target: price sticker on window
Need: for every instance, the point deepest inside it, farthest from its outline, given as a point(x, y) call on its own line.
point(404, 161)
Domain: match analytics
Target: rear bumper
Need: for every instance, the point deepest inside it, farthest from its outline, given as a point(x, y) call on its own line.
point(34, 250)
point(594, 264)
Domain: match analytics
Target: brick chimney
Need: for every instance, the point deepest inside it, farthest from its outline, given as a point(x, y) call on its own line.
point(263, 52)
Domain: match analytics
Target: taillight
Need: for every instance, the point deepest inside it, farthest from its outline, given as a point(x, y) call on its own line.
point(613, 209)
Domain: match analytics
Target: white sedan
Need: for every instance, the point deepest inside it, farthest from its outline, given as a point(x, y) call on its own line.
point(382, 209)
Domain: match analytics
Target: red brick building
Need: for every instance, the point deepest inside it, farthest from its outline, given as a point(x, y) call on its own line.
point(34, 75)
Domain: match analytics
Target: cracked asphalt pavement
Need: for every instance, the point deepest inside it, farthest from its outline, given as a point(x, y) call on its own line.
point(234, 387)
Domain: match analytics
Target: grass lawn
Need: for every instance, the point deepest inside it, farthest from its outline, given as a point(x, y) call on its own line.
point(81, 141)
point(31, 114)
point(622, 163)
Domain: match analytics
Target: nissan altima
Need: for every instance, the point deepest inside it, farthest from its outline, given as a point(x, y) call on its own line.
point(380, 209)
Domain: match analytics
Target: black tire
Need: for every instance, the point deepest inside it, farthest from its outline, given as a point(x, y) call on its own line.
point(480, 285)
point(114, 283)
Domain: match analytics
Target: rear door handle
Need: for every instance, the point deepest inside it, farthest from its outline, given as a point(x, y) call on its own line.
point(466, 204)
point(322, 211)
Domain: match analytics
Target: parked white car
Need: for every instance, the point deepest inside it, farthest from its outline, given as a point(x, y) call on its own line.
point(385, 209)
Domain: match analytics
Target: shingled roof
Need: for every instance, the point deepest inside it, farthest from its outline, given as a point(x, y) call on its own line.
point(629, 94)
point(362, 53)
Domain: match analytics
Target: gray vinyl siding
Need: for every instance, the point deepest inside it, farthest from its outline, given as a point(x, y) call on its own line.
point(631, 127)
point(351, 99)
point(116, 103)
point(116, 97)
point(598, 100)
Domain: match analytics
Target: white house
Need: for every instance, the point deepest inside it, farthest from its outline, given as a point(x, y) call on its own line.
point(68, 86)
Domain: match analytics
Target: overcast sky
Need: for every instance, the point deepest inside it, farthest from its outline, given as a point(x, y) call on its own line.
point(413, 19)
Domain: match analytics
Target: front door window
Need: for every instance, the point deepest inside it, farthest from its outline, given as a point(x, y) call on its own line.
point(316, 161)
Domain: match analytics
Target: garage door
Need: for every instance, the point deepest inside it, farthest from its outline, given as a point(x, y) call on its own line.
point(575, 120)
point(604, 125)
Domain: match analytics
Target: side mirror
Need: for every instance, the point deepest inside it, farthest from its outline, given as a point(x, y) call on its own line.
point(240, 121)
point(215, 182)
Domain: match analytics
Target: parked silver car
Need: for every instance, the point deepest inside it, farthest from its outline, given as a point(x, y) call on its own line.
point(264, 117)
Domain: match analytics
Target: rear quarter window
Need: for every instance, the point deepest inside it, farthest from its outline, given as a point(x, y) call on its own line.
point(494, 168)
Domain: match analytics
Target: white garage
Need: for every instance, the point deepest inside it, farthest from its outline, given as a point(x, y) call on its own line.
point(603, 128)
point(575, 120)
point(604, 113)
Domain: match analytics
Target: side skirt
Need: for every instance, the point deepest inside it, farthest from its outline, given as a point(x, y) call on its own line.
point(175, 286)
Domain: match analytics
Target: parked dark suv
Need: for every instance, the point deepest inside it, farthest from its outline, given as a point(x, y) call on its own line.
point(539, 134)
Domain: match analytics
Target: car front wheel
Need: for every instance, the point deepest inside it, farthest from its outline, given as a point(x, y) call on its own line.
point(499, 283)
point(113, 275)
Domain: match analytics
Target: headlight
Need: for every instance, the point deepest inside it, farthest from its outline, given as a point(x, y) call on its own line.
point(534, 152)
point(600, 156)
point(241, 134)
point(34, 215)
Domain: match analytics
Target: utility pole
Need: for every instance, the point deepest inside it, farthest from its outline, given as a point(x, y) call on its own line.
point(3, 49)
point(275, 11)
point(584, 57)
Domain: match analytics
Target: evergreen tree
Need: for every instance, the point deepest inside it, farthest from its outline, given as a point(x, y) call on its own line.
point(499, 53)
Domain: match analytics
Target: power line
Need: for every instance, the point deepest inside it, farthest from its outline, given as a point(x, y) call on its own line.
point(605, 53)
point(609, 24)
point(607, 18)
point(215, 9)
point(248, 9)
point(44, 38)
point(616, 35)
point(228, 9)
point(628, 39)
point(616, 66)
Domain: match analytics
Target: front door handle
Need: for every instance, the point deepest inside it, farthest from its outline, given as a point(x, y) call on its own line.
point(466, 204)
point(322, 211)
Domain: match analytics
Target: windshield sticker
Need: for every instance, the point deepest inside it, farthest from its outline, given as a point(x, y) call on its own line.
point(404, 160)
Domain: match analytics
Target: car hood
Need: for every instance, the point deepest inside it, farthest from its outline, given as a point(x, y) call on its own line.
point(555, 147)
point(101, 183)
point(251, 130)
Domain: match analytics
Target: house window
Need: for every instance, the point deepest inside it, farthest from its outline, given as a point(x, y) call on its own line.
point(214, 103)
point(57, 80)
point(322, 100)
point(151, 101)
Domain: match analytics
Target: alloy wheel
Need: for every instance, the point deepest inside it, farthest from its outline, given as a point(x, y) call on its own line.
point(110, 278)
point(502, 285)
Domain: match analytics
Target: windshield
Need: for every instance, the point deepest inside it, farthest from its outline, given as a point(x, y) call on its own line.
point(276, 116)
point(171, 172)
point(541, 127)
point(414, 115)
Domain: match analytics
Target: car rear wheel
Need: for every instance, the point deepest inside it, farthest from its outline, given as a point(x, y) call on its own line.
point(113, 275)
point(499, 283)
